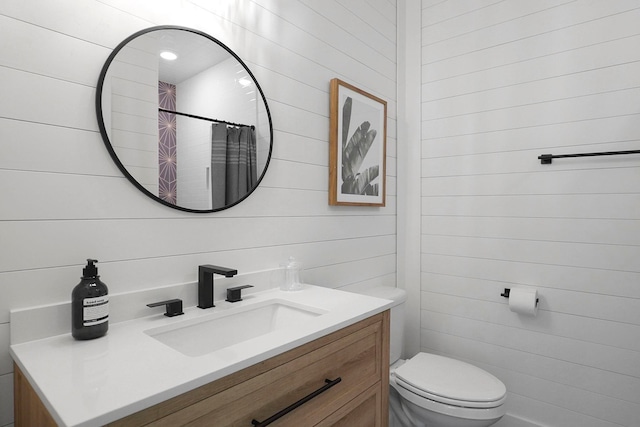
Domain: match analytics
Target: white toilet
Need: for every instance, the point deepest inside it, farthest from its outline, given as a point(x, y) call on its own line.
point(434, 391)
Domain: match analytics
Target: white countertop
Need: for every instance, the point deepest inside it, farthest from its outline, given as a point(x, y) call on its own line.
point(91, 383)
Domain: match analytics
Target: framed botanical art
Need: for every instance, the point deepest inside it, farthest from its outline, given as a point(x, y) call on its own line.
point(357, 147)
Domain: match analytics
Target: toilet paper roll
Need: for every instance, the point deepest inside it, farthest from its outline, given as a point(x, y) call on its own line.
point(523, 301)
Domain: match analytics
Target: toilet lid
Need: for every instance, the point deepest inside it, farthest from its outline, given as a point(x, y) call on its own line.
point(450, 381)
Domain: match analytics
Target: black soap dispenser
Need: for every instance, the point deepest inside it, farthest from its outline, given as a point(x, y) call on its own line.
point(89, 305)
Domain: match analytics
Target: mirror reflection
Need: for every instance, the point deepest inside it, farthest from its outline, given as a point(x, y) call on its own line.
point(184, 119)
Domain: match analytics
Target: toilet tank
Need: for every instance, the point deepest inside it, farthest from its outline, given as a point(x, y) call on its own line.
point(398, 296)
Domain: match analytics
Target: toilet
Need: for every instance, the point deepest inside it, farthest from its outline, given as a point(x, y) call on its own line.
point(435, 391)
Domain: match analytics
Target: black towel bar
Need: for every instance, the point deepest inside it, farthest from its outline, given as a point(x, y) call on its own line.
point(546, 159)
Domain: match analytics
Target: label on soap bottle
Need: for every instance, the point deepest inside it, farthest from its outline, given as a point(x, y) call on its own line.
point(95, 310)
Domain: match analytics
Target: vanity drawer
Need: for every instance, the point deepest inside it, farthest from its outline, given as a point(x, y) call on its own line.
point(358, 355)
point(366, 410)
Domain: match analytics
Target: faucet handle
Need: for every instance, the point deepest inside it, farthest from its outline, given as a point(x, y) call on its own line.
point(234, 294)
point(173, 306)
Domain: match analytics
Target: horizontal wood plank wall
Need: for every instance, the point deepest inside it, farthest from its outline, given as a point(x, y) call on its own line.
point(64, 200)
point(503, 82)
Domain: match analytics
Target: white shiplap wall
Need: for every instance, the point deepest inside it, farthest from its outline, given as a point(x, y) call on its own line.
point(64, 200)
point(503, 82)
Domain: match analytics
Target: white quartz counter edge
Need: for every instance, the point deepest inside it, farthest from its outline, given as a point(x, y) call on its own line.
point(91, 383)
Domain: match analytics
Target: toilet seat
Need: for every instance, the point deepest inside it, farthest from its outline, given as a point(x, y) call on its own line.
point(458, 413)
point(450, 382)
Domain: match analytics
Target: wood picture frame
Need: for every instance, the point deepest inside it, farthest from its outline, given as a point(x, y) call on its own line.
point(357, 147)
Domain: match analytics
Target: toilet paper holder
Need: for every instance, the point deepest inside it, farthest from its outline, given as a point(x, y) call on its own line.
point(507, 291)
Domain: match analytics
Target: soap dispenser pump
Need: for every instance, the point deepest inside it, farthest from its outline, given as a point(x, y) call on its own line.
point(89, 305)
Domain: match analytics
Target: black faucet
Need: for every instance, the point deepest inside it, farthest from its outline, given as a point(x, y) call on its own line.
point(205, 282)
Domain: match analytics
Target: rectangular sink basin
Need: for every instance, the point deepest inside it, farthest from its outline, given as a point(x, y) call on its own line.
point(197, 337)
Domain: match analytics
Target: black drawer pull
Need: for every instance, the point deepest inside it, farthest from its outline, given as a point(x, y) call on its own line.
point(285, 411)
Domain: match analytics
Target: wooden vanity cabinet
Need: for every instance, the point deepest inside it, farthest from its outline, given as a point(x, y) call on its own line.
point(357, 355)
point(27, 406)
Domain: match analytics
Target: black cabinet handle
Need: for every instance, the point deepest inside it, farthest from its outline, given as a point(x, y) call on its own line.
point(285, 411)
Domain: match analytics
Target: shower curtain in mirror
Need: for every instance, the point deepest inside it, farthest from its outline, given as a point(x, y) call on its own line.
point(233, 163)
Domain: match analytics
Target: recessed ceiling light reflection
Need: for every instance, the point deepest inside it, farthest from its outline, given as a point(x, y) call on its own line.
point(168, 55)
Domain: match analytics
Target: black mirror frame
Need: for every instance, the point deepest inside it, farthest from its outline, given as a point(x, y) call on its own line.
point(105, 136)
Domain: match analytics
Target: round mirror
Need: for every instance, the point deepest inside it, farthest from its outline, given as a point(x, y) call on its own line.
point(184, 119)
